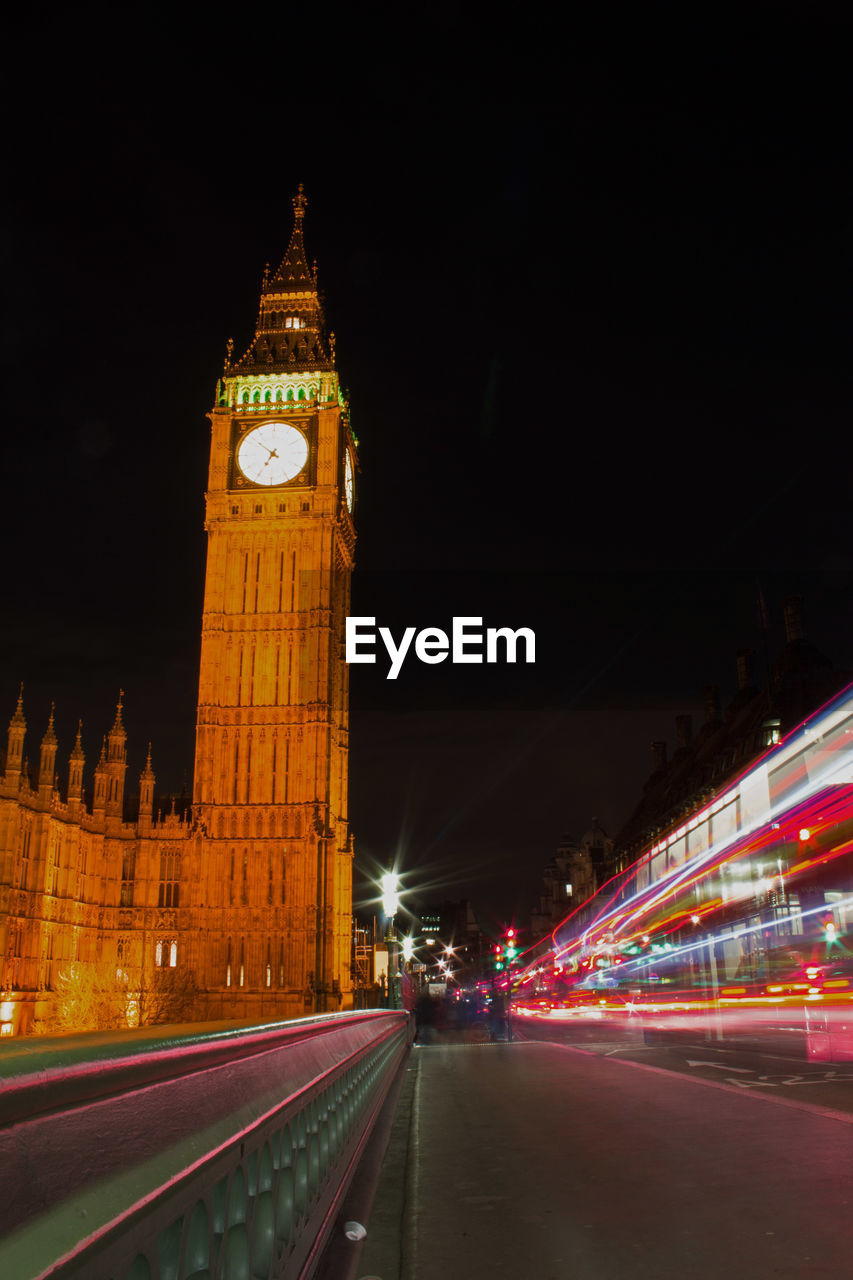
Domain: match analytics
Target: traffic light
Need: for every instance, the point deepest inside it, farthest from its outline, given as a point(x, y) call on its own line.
point(510, 947)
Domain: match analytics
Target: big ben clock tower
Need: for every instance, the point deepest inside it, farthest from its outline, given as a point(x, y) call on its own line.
point(270, 788)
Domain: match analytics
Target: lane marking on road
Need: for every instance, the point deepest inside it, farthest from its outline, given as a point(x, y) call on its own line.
point(719, 1066)
point(794, 1104)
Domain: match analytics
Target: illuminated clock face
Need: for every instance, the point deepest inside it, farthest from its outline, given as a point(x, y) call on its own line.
point(348, 484)
point(272, 453)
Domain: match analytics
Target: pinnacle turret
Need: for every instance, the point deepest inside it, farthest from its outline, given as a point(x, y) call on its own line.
point(47, 755)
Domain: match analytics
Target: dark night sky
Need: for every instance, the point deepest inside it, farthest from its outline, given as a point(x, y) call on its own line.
point(591, 287)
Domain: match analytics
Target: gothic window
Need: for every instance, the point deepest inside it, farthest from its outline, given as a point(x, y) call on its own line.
point(278, 395)
point(301, 395)
point(166, 953)
point(267, 396)
point(256, 396)
point(24, 868)
point(242, 961)
point(290, 394)
point(245, 893)
point(244, 396)
point(269, 963)
point(170, 874)
point(228, 963)
point(128, 875)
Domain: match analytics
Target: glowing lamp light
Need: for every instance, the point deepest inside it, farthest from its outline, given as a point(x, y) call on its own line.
point(831, 931)
point(408, 948)
point(694, 919)
point(804, 833)
point(390, 899)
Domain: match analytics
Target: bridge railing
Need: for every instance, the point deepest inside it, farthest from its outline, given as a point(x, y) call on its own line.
point(201, 1152)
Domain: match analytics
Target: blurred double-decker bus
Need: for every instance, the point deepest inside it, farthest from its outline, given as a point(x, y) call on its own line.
point(738, 923)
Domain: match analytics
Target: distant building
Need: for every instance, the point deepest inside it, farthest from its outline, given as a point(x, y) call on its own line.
point(800, 681)
point(571, 878)
point(452, 924)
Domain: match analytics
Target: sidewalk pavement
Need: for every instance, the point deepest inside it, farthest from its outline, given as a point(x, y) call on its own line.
point(533, 1161)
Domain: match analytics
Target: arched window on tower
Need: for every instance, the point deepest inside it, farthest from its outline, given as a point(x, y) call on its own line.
point(170, 875)
point(128, 875)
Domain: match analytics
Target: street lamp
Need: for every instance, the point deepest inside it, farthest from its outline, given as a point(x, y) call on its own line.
point(390, 898)
point(390, 883)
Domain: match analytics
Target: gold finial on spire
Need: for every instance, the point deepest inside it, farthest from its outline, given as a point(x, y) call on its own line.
point(299, 203)
point(229, 352)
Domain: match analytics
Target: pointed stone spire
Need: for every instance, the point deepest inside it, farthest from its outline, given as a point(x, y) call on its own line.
point(15, 743)
point(76, 762)
point(116, 762)
point(290, 332)
point(50, 731)
point(47, 756)
point(294, 269)
point(117, 736)
point(18, 717)
point(101, 775)
point(146, 795)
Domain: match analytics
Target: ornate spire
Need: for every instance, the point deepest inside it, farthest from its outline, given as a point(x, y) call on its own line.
point(294, 269)
point(18, 717)
point(147, 772)
point(49, 739)
point(118, 727)
point(290, 332)
point(77, 751)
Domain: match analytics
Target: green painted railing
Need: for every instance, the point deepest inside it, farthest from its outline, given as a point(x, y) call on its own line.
point(192, 1153)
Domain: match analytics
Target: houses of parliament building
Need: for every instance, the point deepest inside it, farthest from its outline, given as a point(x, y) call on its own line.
point(247, 898)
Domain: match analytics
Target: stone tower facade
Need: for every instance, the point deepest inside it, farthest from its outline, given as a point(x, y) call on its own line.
point(241, 906)
point(270, 787)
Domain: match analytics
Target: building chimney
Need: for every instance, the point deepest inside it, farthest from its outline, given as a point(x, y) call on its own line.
point(745, 670)
point(683, 732)
point(712, 704)
point(794, 631)
point(658, 756)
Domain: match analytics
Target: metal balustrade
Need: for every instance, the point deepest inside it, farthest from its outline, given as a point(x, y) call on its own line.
point(188, 1154)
